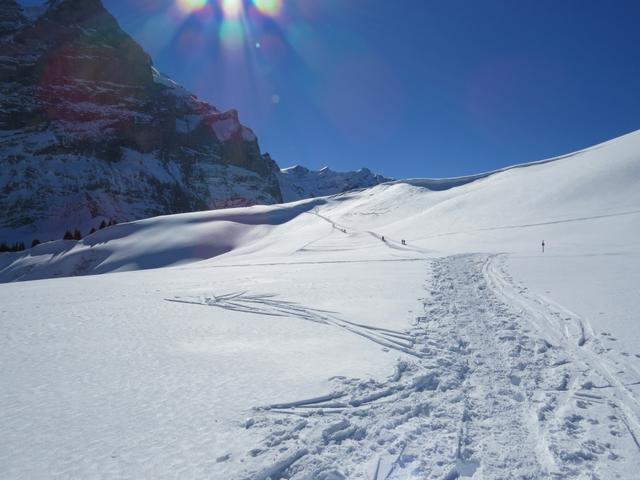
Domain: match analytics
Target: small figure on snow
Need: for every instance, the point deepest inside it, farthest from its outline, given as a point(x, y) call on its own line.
point(383, 239)
point(543, 244)
point(404, 242)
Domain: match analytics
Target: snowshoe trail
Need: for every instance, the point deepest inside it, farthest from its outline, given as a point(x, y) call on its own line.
point(355, 238)
point(587, 407)
point(490, 383)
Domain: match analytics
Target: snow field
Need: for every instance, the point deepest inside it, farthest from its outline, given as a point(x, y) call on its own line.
point(294, 342)
point(107, 378)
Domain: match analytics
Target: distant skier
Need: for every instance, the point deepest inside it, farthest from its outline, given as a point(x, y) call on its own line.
point(383, 239)
point(404, 242)
point(543, 244)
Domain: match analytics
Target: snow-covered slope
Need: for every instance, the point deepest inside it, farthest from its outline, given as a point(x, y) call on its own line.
point(294, 341)
point(509, 210)
point(297, 183)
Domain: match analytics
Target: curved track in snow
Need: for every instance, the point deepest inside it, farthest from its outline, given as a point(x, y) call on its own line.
point(502, 383)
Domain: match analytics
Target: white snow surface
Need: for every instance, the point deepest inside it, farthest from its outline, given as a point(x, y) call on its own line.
point(294, 342)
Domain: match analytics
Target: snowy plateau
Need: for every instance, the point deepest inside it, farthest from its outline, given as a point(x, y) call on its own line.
point(411, 330)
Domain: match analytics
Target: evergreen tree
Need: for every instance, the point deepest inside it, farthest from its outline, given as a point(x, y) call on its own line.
point(35, 242)
point(68, 235)
point(4, 247)
point(92, 231)
point(103, 224)
point(77, 235)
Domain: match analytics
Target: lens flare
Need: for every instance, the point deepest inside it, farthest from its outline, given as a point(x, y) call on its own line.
point(191, 5)
point(268, 7)
point(231, 8)
point(231, 33)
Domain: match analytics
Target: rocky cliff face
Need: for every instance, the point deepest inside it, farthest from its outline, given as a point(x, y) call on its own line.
point(11, 17)
point(89, 130)
point(299, 182)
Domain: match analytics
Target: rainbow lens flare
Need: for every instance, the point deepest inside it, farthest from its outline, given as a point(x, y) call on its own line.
point(231, 8)
point(231, 33)
point(234, 20)
point(268, 7)
point(191, 5)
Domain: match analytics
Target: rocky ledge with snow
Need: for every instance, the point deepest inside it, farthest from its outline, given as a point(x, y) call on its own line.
point(90, 130)
point(299, 182)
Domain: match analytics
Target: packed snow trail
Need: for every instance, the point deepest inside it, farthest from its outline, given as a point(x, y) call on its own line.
point(350, 230)
point(596, 397)
point(486, 396)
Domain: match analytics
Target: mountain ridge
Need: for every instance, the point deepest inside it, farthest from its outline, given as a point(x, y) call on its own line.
point(90, 131)
point(513, 208)
point(298, 182)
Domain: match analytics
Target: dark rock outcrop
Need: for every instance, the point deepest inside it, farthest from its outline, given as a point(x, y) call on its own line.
point(89, 130)
point(11, 17)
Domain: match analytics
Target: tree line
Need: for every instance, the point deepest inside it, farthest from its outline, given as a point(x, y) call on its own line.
point(68, 235)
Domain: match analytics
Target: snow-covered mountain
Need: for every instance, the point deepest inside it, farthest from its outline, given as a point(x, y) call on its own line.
point(297, 183)
point(410, 330)
point(496, 210)
point(89, 130)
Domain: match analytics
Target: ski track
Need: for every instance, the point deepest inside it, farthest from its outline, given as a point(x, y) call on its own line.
point(594, 399)
point(492, 382)
point(389, 242)
point(270, 305)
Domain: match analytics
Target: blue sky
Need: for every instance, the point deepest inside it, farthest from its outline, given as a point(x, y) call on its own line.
point(408, 88)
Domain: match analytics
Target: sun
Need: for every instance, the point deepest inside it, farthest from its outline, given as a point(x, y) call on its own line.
point(231, 8)
point(268, 7)
point(235, 20)
point(191, 5)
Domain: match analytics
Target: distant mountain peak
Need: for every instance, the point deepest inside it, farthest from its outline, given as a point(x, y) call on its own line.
point(298, 182)
point(296, 169)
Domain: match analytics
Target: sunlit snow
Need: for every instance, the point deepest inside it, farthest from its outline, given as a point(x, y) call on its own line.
point(308, 341)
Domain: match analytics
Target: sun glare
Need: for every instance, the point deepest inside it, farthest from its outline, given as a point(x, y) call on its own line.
point(231, 8)
point(191, 5)
point(268, 7)
point(236, 21)
point(231, 33)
